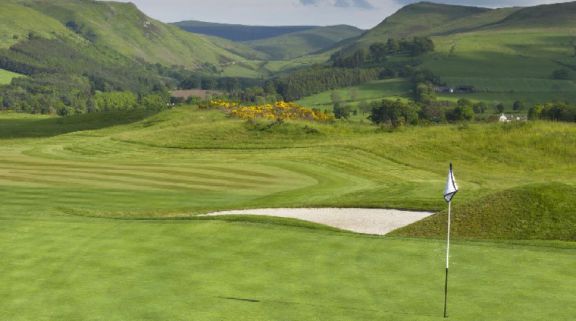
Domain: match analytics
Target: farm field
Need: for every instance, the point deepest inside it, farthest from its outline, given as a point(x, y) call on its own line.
point(368, 92)
point(99, 219)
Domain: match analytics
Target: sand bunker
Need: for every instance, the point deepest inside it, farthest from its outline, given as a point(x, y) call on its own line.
point(359, 220)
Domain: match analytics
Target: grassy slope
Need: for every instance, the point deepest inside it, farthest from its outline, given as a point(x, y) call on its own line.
point(76, 267)
point(7, 76)
point(539, 212)
point(18, 21)
point(120, 27)
point(418, 20)
point(372, 91)
point(236, 32)
point(299, 44)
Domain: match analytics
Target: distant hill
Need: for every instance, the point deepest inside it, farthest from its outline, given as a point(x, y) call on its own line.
point(236, 32)
point(500, 52)
point(419, 19)
point(275, 43)
point(306, 42)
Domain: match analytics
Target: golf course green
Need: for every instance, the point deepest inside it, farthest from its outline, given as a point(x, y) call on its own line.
point(99, 219)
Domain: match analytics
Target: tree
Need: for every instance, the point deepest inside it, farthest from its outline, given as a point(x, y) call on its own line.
point(270, 88)
point(335, 97)
point(378, 52)
point(479, 107)
point(155, 102)
point(518, 105)
point(209, 83)
point(424, 93)
point(396, 113)
point(561, 74)
point(500, 108)
point(353, 94)
point(463, 102)
point(364, 107)
point(392, 46)
point(461, 113)
point(342, 111)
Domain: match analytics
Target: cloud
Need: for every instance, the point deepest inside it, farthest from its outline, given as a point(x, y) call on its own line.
point(310, 2)
point(361, 13)
point(363, 4)
point(360, 4)
point(488, 3)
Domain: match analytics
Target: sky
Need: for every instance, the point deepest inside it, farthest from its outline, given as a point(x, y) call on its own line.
point(364, 14)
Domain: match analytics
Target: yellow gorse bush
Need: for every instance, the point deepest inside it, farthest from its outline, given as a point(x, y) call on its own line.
point(279, 110)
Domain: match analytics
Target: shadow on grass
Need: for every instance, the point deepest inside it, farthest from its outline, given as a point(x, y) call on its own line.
point(29, 127)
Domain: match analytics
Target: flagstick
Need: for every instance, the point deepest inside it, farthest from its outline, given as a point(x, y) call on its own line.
point(447, 263)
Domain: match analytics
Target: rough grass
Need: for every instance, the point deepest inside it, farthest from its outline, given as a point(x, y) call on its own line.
point(538, 212)
point(189, 161)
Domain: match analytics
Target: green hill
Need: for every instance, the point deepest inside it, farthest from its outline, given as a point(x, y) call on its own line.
point(125, 29)
point(532, 212)
point(553, 15)
point(419, 20)
point(118, 28)
point(306, 42)
point(236, 32)
point(18, 21)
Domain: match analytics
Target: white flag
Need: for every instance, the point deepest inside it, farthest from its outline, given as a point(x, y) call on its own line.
point(451, 187)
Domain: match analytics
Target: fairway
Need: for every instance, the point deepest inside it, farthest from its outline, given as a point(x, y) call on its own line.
point(99, 220)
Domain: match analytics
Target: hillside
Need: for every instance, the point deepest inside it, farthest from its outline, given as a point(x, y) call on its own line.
point(552, 15)
point(419, 20)
point(73, 49)
point(126, 30)
point(501, 53)
point(236, 32)
point(297, 44)
point(273, 43)
point(533, 212)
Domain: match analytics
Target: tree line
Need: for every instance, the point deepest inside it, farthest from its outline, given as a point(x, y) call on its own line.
point(67, 79)
point(554, 111)
point(378, 53)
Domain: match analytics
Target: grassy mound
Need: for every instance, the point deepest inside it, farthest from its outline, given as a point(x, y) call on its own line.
point(531, 212)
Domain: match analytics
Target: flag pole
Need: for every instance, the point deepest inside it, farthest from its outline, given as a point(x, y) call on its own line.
point(447, 262)
point(449, 192)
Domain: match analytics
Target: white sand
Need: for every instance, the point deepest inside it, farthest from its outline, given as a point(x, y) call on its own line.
point(359, 220)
